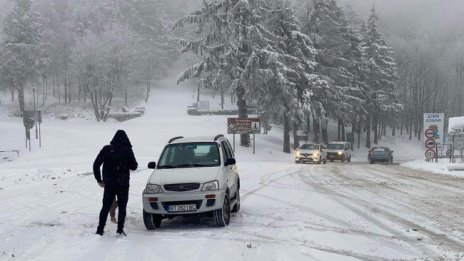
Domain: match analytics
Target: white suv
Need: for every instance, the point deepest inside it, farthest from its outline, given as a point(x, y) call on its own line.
point(194, 176)
point(339, 150)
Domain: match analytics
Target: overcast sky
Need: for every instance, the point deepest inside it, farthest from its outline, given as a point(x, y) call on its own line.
point(417, 15)
point(434, 23)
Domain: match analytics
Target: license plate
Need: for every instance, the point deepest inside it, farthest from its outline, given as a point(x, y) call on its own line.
point(182, 208)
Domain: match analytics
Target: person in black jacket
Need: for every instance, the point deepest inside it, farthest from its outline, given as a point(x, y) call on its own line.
point(117, 159)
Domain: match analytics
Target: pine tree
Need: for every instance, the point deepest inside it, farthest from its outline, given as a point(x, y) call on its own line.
point(340, 62)
point(287, 68)
point(229, 39)
point(21, 48)
point(381, 77)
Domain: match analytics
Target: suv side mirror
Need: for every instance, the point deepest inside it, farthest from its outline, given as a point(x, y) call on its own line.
point(152, 165)
point(229, 162)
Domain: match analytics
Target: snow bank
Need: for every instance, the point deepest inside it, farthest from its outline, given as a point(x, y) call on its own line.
point(443, 167)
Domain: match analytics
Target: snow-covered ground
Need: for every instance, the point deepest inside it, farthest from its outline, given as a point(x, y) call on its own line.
point(49, 199)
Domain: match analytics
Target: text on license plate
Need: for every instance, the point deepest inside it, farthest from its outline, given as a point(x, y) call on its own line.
point(181, 208)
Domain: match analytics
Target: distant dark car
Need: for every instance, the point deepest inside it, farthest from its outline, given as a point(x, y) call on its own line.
point(380, 154)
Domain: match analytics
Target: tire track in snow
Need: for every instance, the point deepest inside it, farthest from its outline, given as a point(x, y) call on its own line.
point(365, 208)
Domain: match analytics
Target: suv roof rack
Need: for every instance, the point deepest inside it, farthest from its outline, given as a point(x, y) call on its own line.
point(175, 138)
point(218, 136)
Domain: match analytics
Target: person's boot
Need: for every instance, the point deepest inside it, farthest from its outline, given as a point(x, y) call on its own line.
point(99, 231)
point(121, 232)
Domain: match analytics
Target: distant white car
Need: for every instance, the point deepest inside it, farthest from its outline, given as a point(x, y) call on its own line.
point(311, 153)
point(339, 150)
point(194, 176)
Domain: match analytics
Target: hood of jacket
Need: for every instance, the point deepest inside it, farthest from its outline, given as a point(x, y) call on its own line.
point(120, 138)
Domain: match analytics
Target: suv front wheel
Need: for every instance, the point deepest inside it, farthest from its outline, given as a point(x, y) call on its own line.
point(151, 221)
point(222, 216)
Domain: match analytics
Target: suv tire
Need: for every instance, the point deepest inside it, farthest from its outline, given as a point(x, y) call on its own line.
point(151, 221)
point(222, 216)
point(236, 207)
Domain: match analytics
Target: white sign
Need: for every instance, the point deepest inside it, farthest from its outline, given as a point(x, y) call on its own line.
point(433, 133)
point(434, 122)
point(456, 132)
point(458, 142)
point(456, 126)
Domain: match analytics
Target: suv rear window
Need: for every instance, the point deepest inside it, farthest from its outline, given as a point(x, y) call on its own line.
point(190, 155)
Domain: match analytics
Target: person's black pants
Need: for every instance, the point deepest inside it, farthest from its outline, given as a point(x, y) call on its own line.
point(109, 194)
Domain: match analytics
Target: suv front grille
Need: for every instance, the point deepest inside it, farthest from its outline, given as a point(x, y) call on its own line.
point(182, 187)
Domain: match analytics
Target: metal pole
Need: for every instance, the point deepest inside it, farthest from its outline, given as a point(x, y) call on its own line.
point(40, 137)
point(36, 133)
point(254, 143)
point(233, 135)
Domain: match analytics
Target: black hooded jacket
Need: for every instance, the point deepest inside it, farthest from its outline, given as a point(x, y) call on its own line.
point(117, 159)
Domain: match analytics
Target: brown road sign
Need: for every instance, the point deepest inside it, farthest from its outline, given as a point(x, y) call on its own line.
point(243, 126)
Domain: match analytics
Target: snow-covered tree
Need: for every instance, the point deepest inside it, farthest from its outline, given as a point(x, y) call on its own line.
point(340, 62)
point(101, 63)
point(381, 77)
point(21, 49)
point(229, 39)
point(286, 66)
point(156, 47)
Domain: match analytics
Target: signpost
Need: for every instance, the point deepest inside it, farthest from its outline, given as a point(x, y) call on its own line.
point(433, 134)
point(28, 122)
point(244, 126)
point(31, 119)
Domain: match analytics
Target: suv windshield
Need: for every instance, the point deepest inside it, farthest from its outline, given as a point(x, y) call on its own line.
point(309, 147)
point(190, 155)
point(335, 146)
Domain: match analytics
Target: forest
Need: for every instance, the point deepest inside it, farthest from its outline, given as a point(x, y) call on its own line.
point(303, 64)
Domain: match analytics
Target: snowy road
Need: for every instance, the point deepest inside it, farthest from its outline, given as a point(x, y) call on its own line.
point(289, 212)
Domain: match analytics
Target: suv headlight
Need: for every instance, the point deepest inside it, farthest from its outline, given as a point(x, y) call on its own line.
point(340, 152)
point(153, 189)
point(210, 186)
